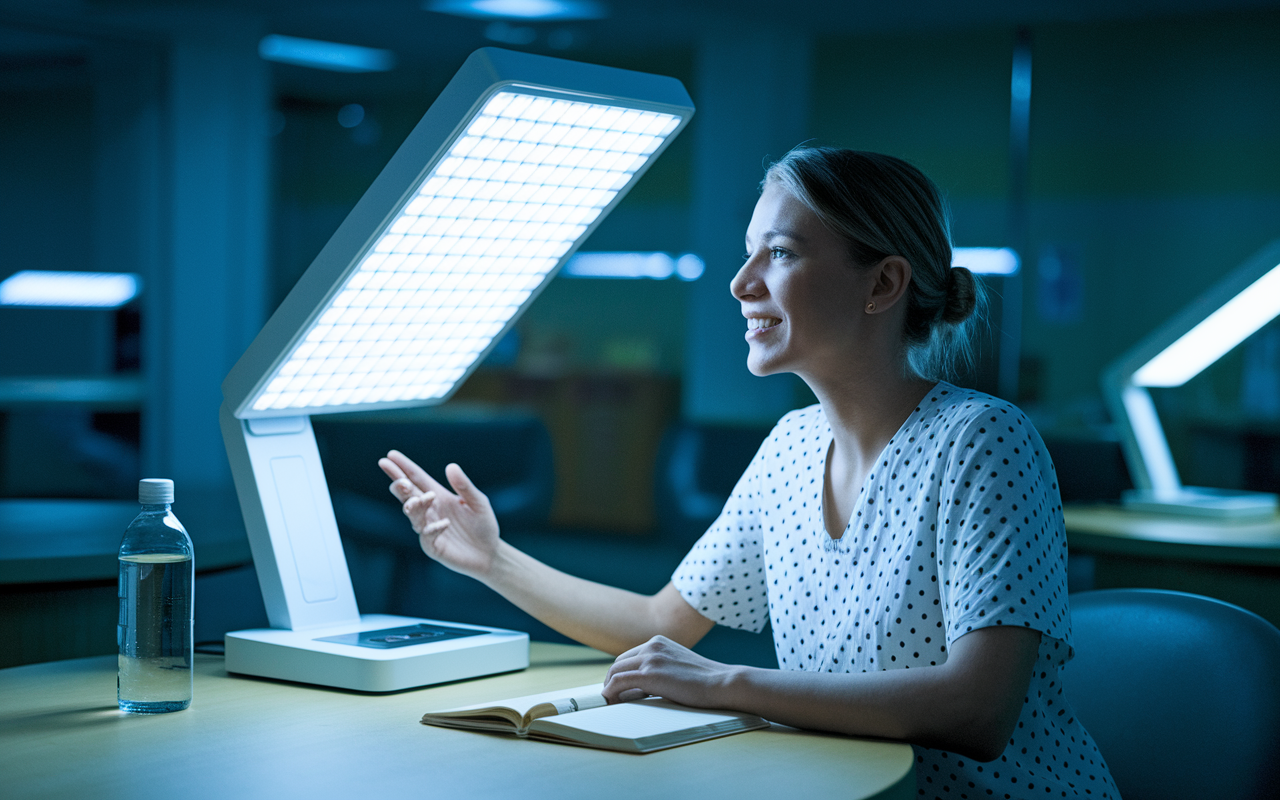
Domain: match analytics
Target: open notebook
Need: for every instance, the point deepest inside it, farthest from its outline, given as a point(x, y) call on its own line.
point(580, 716)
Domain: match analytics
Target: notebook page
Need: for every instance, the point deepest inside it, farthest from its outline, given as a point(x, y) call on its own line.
point(640, 719)
point(521, 705)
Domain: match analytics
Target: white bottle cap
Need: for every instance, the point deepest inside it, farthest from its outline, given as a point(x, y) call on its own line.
point(155, 491)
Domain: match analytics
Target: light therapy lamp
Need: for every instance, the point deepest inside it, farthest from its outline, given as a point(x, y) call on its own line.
point(1221, 318)
point(512, 167)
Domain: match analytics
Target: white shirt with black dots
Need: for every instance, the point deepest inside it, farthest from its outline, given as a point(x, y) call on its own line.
point(958, 527)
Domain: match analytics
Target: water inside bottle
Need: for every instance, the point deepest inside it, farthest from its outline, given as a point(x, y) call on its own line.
point(155, 632)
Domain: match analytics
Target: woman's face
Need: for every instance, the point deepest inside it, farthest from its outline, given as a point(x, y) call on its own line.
point(801, 293)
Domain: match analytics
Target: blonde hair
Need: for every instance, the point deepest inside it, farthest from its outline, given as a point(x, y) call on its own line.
point(882, 206)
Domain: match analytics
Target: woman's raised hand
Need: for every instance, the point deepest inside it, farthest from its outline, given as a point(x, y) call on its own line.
point(456, 528)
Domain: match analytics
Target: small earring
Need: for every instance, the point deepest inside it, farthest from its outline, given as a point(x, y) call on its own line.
point(871, 307)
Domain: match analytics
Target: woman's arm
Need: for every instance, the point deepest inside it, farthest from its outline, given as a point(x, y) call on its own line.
point(600, 616)
point(459, 530)
point(968, 705)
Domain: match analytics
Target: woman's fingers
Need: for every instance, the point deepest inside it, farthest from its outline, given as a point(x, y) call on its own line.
point(414, 500)
point(421, 516)
point(401, 487)
point(632, 653)
point(434, 527)
point(416, 474)
point(627, 674)
point(623, 685)
point(465, 489)
point(392, 469)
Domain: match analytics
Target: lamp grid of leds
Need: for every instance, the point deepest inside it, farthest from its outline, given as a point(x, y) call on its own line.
point(514, 192)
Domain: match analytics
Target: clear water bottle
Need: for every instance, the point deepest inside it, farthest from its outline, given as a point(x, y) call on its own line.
point(157, 574)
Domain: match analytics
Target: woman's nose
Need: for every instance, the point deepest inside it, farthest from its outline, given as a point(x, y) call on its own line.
point(746, 284)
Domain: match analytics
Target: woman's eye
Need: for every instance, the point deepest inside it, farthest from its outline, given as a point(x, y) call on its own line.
point(774, 252)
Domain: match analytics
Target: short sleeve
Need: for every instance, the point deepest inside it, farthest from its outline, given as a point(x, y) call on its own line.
point(722, 577)
point(1002, 543)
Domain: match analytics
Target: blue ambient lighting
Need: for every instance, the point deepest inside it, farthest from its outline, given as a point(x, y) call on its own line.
point(505, 33)
point(519, 9)
point(325, 55)
point(986, 260)
point(351, 115)
point(69, 289)
point(656, 266)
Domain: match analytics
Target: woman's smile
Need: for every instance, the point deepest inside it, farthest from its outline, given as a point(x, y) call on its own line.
point(758, 326)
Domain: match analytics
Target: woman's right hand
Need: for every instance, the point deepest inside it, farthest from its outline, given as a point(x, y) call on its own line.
point(456, 528)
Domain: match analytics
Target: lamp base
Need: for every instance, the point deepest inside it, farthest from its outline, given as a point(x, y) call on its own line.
point(381, 653)
point(1199, 501)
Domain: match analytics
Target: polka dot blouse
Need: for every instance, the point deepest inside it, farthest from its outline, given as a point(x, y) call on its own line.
point(958, 527)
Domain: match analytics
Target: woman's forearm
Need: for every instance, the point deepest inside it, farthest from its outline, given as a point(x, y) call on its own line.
point(907, 705)
point(458, 529)
point(968, 705)
point(604, 617)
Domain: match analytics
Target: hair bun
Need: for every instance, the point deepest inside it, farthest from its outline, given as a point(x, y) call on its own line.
point(962, 296)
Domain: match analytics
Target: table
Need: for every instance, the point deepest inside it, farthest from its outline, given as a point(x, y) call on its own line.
point(61, 735)
point(1236, 561)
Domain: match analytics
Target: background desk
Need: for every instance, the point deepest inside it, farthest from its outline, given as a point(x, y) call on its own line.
point(1234, 561)
point(58, 572)
point(62, 736)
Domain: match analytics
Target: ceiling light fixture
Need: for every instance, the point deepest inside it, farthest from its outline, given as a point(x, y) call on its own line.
point(657, 266)
point(531, 10)
point(986, 260)
point(54, 289)
point(331, 56)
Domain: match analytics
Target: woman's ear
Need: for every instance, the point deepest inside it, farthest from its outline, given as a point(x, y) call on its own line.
point(892, 275)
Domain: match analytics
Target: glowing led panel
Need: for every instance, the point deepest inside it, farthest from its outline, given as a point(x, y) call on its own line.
point(1211, 339)
point(521, 185)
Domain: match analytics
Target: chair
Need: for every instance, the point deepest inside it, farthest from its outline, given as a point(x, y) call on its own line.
point(1181, 693)
point(697, 467)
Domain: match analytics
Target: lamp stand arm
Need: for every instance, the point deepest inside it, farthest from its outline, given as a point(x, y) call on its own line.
point(288, 515)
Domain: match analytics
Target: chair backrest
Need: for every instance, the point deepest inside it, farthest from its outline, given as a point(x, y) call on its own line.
point(697, 467)
point(1180, 692)
point(507, 455)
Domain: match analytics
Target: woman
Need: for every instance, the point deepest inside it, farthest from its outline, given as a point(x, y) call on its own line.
point(903, 536)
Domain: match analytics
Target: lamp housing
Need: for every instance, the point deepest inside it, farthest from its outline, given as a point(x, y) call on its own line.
point(1216, 322)
point(512, 167)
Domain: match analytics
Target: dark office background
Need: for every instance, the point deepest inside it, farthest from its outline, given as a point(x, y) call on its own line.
point(149, 137)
